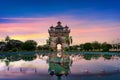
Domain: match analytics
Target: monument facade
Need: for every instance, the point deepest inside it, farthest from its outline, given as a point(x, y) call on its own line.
point(59, 35)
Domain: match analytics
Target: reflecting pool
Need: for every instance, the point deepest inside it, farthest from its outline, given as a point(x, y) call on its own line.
point(52, 66)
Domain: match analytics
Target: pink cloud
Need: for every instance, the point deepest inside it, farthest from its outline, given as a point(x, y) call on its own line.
point(98, 33)
point(81, 30)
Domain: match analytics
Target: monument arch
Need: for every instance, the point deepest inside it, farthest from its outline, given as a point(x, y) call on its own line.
point(59, 35)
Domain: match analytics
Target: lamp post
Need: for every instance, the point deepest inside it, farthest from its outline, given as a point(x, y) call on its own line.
point(113, 45)
point(117, 44)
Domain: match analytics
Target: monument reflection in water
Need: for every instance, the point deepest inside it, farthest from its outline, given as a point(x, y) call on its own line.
point(59, 64)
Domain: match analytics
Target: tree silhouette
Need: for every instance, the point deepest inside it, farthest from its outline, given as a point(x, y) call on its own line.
point(7, 38)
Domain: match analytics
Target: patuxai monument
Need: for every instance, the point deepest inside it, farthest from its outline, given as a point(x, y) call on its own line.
point(59, 36)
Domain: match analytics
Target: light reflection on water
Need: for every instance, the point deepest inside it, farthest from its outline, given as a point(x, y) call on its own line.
point(79, 67)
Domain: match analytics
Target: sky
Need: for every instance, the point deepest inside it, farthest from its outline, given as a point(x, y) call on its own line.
point(89, 20)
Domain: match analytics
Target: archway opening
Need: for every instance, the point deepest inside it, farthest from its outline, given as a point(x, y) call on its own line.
point(59, 47)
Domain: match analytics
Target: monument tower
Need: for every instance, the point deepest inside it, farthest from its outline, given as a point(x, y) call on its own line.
point(59, 35)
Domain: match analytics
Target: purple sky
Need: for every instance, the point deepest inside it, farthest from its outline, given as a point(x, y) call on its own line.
point(90, 20)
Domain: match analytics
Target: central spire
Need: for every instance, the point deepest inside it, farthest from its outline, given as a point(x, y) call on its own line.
point(59, 23)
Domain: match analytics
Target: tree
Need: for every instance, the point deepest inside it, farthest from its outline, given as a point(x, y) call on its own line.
point(29, 45)
point(40, 48)
point(81, 46)
point(96, 45)
point(7, 38)
point(14, 45)
point(49, 41)
point(2, 46)
point(71, 48)
point(75, 47)
point(68, 40)
point(87, 46)
point(71, 40)
point(105, 46)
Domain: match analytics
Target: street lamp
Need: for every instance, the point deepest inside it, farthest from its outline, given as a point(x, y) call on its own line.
point(113, 45)
point(117, 44)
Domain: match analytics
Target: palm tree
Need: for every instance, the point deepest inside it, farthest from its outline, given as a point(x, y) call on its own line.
point(49, 41)
point(68, 40)
point(71, 39)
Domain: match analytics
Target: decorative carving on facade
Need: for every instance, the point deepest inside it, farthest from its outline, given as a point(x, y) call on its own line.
point(59, 35)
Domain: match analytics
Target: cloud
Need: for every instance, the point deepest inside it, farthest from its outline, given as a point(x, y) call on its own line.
point(81, 30)
point(98, 33)
point(30, 36)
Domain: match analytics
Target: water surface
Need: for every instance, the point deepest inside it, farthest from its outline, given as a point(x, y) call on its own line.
point(76, 66)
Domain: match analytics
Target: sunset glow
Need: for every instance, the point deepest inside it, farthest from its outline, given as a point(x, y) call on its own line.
point(87, 24)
